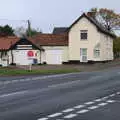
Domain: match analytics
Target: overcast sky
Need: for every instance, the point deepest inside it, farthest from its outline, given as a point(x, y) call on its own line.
point(46, 14)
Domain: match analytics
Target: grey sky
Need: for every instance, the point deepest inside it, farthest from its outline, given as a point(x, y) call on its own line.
point(46, 14)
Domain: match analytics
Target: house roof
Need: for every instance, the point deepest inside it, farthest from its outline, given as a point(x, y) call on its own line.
point(51, 39)
point(59, 30)
point(7, 42)
point(98, 25)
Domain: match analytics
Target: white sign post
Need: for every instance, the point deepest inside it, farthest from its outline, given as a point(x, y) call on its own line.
point(30, 57)
point(30, 64)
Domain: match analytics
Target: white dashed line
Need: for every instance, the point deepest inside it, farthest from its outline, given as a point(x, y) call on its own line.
point(89, 103)
point(70, 116)
point(102, 104)
point(110, 101)
point(55, 115)
point(68, 110)
point(105, 97)
point(98, 100)
point(112, 95)
point(93, 107)
point(118, 93)
point(82, 111)
point(43, 119)
point(79, 106)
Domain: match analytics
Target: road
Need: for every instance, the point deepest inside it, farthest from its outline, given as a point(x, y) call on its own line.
point(78, 96)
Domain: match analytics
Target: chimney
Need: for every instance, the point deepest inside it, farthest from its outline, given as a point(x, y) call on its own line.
point(91, 14)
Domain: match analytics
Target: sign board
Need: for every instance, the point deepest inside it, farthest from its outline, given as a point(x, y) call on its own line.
point(30, 53)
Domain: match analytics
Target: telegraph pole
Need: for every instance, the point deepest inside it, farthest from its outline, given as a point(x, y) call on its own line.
point(29, 28)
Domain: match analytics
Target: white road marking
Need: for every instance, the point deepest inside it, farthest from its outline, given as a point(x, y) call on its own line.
point(70, 116)
point(93, 107)
point(118, 93)
point(43, 119)
point(55, 115)
point(82, 106)
point(102, 104)
point(110, 101)
point(98, 100)
point(82, 111)
point(105, 97)
point(12, 94)
point(79, 106)
point(112, 95)
point(68, 110)
point(89, 103)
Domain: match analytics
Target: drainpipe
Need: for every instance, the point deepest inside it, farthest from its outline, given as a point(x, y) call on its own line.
point(40, 57)
point(12, 54)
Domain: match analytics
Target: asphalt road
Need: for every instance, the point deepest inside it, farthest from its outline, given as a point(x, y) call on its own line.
point(79, 96)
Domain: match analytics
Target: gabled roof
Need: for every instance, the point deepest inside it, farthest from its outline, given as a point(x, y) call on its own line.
point(93, 21)
point(59, 30)
point(7, 42)
point(51, 39)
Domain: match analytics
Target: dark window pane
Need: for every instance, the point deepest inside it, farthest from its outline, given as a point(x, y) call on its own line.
point(83, 35)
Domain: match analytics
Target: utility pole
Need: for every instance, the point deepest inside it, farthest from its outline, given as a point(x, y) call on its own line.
point(29, 28)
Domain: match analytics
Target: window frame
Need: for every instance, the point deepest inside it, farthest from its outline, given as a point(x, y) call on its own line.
point(96, 53)
point(84, 35)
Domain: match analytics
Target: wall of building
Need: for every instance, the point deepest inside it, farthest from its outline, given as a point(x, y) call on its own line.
point(75, 42)
point(106, 47)
point(65, 55)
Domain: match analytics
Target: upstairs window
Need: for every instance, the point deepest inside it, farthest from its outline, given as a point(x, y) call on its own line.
point(83, 34)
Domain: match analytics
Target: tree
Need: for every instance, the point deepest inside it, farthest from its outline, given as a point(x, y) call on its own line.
point(20, 32)
point(32, 32)
point(6, 30)
point(108, 18)
point(116, 47)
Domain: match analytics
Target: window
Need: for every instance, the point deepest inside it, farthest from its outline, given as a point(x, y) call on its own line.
point(20, 47)
point(84, 34)
point(96, 53)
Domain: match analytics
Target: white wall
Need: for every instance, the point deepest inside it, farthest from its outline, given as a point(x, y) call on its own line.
point(94, 37)
point(75, 42)
point(106, 47)
point(65, 55)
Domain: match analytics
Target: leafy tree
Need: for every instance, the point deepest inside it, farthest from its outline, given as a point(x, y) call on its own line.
point(108, 18)
point(116, 47)
point(32, 32)
point(6, 30)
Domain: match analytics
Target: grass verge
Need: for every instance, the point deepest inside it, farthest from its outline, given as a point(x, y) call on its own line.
point(9, 72)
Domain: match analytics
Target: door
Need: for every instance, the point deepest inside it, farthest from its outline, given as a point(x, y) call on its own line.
point(54, 56)
point(83, 55)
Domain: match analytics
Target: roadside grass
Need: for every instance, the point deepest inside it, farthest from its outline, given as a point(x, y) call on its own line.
point(10, 72)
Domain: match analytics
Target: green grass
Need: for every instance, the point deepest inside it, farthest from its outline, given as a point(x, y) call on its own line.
point(9, 72)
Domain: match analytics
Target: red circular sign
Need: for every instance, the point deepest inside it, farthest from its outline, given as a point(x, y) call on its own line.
point(30, 53)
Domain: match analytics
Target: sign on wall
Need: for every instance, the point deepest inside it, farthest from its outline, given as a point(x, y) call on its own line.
point(30, 53)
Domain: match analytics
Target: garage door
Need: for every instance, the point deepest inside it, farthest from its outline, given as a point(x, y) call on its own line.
point(21, 57)
point(54, 56)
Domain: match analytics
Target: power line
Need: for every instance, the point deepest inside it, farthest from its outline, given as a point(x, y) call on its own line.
point(13, 20)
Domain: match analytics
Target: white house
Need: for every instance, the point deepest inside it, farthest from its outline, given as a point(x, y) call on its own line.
point(85, 40)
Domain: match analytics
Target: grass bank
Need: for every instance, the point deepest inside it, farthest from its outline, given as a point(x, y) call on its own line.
point(10, 72)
